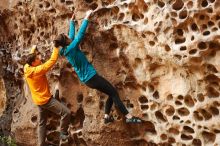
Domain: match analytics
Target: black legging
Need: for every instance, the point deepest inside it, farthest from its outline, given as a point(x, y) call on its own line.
point(101, 84)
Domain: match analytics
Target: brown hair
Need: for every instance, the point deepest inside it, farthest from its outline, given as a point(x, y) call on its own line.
point(60, 40)
point(31, 58)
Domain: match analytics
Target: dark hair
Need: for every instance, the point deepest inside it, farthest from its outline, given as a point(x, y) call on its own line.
point(60, 40)
point(31, 58)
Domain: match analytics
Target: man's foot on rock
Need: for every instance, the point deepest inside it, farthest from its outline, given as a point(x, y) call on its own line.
point(64, 136)
point(108, 119)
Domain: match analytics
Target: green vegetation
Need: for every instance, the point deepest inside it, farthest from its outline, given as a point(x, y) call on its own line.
point(7, 140)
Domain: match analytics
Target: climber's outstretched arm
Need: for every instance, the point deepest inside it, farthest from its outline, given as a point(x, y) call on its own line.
point(72, 27)
point(80, 33)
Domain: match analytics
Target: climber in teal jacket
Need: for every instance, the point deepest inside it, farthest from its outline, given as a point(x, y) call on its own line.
point(77, 59)
point(86, 72)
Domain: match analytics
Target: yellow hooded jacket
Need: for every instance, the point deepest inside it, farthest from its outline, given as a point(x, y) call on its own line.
point(37, 81)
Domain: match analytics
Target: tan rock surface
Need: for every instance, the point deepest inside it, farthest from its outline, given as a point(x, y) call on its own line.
point(2, 96)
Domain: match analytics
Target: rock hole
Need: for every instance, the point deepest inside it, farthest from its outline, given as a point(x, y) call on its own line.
point(173, 14)
point(143, 99)
point(183, 48)
point(180, 97)
point(204, 3)
point(202, 17)
point(167, 48)
point(156, 95)
point(202, 45)
point(145, 20)
point(153, 106)
point(205, 114)
point(52, 11)
point(183, 111)
point(214, 110)
point(197, 142)
point(180, 40)
point(194, 27)
point(205, 33)
point(217, 17)
point(152, 43)
point(183, 14)
point(93, 6)
point(16, 111)
point(121, 16)
point(210, 23)
point(161, 4)
point(52, 126)
point(190, 4)
point(89, 1)
point(171, 140)
point(211, 1)
point(174, 131)
point(47, 4)
point(144, 107)
point(212, 92)
point(163, 136)
point(34, 119)
point(200, 97)
point(208, 137)
point(188, 101)
point(179, 32)
point(204, 26)
point(186, 137)
point(151, 88)
point(113, 46)
point(178, 5)
point(192, 52)
point(170, 111)
point(160, 116)
point(101, 105)
point(169, 97)
point(40, 6)
point(69, 2)
point(188, 129)
point(178, 102)
point(135, 17)
point(197, 116)
point(176, 117)
point(214, 29)
point(69, 105)
point(53, 137)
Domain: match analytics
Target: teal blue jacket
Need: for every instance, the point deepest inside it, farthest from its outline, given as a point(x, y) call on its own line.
point(75, 56)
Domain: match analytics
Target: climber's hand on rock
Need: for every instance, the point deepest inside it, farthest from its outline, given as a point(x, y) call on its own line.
point(73, 17)
point(56, 44)
point(88, 14)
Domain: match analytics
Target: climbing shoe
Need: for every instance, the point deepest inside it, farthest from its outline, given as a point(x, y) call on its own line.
point(109, 119)
point(64, 136)
point(133, 120)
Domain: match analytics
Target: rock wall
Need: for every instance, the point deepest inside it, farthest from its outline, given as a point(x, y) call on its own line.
point(3, 98)
point(162, 56)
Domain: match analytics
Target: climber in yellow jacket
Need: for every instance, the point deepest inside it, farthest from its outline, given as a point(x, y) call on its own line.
point(35, 75)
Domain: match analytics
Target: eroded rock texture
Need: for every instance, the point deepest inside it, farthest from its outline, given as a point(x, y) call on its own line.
point(162, 56)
